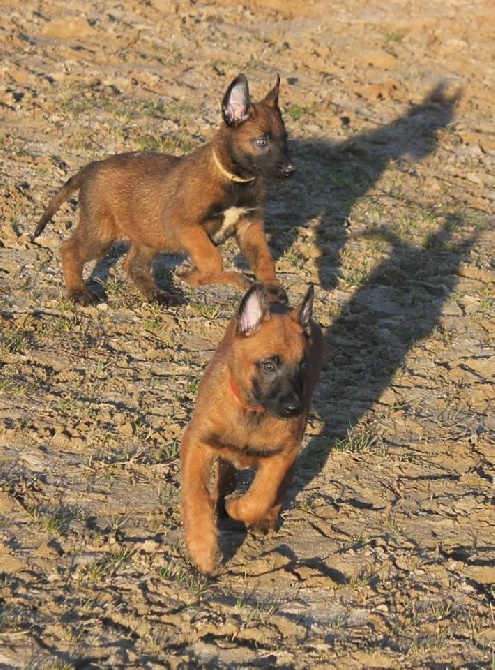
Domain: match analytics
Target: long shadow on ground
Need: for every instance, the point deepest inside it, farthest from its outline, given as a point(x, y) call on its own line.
point(333, 177)
point(370, 339)
point(400, 301)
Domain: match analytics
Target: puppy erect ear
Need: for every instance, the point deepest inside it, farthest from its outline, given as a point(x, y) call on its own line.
point(236, 105)
point(304, 312)
point(271, 99)
point(253, 310)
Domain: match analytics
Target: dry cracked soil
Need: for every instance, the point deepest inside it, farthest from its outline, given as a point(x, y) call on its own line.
point(386, 549)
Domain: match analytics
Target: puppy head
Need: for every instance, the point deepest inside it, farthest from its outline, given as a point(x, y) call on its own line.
point(256, 138)
point(270, 350)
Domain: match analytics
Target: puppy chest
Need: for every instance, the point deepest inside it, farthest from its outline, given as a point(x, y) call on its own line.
point(232, 216)
point(246, 454)
point(224, 224)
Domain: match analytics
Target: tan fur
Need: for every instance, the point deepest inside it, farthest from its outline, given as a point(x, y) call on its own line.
point(222, 429)
point(161, 203)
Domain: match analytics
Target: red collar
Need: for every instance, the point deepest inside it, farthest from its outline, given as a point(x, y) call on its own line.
point(251, 408)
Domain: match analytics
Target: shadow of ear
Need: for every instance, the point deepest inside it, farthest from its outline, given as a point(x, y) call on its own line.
point(444, 94)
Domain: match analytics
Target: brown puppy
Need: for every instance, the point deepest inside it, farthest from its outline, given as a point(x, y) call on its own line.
point(252, 409)
point(188, 204)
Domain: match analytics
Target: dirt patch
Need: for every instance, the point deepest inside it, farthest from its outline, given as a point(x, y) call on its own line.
point(385, 553)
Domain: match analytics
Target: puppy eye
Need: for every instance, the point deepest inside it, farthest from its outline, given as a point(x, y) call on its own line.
point(268, 366)
point(261, 142)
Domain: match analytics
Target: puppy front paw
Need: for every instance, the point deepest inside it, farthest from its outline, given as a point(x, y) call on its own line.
point(263, 526)
point(84, 296)
point(204, 555)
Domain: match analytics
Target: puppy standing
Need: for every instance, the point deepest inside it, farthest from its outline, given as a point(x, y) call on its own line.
point(252, 409)
point(163, 203)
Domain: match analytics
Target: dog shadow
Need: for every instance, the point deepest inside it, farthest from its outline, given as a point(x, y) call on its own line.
point(369, 340)
point(332, 177)
point(101, 282)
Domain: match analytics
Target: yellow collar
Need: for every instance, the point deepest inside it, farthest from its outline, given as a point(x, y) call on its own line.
point(229, 175)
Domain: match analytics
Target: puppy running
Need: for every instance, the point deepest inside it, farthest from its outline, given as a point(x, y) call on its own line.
point(251, 412)
point(162, 203)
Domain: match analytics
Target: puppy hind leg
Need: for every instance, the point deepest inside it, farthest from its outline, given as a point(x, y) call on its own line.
point(81, 248)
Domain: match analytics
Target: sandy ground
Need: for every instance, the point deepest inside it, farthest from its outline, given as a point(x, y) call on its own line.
point(385, 554)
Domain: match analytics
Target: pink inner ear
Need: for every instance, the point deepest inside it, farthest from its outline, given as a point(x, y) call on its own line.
point(237, 110)
point(252, 315)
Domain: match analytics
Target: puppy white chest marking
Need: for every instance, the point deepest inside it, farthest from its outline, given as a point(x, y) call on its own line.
point(230, 218)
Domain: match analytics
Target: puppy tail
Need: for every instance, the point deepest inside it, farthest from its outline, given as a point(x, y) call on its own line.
point(73, 184)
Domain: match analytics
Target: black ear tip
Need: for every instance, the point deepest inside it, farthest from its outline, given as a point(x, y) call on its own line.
point(256, 287)
point(241, 79)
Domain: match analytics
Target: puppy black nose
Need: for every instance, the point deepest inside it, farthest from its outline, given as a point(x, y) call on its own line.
point(292, 408)
point(288, 169)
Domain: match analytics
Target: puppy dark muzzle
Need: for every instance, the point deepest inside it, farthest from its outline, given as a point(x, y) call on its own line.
point(289, 406)
point(286, 407)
